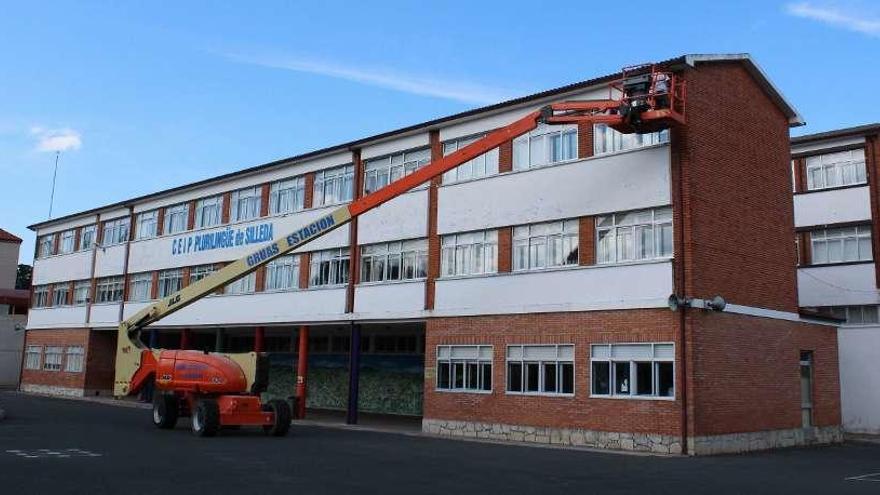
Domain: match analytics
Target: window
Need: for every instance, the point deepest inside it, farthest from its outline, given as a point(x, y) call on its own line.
point(170, 281)
point(470, 254)
point(82, 290)
point(334, 186)
point(481, 166)
point(545, 145)
point(74, 361)
point(286, 196)
point(140, 287)
point(856, 315)
point(44, 244)
point(843, 168)
point(197, 273)
point(115, 231)
point(545, 245)
point(607, 140)
point(633, 370)
point(464, 368)
point(806, 365)
point(88, 237)
point(176, 218)
point(67, 241)
point(402, 260)
point(282, 273)
point(41, 296)
point(244, 285)
point(208, 212)
point(147, 223)
point(329, 267)
point(245, 204)
point(60, 294)
point(32, 357)
point(53, 358)
point(841, 245)
point(109, 289)
point(379, 172)
point(540, 369)
point(635, 235)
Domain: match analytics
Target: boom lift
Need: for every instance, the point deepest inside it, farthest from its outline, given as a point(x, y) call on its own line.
point(217, 389)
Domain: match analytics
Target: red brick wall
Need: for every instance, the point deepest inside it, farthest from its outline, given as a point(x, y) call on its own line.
point(872, 165)
point(734, 160)
point(585, 139)
point(505, 157)
point(587, 241)
point(432, 233)
point(580, 411)
point(746, 373)
point(62, 338)
point(100, 360)
point(505, 249)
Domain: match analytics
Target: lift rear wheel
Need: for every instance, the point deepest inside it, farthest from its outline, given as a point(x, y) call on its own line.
point(282, 417)
point(206, 418)
point(165, 411)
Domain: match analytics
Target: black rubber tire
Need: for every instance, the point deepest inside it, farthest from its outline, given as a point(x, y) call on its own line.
point(282, 417)
point(165, 411)
point(206, 418)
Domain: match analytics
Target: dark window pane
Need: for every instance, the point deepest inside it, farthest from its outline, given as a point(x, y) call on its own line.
point(532, 374)
point(472, 376)
point(621, 378)
point(644, 379)
point(487, 376)
point(457, 375)
point(665, 380)
point(567, 378)
point(549, 377)
point(443, 375)
point(514, 377)
point(601, 375)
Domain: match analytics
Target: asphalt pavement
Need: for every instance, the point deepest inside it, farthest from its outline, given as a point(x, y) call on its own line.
point(62, 446)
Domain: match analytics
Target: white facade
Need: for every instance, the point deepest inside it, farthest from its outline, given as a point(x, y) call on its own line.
point(572, 188)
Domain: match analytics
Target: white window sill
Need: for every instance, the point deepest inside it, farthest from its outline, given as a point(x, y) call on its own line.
point(462, 391)
point(633, 397)
point(541, 394)
point(391, 282)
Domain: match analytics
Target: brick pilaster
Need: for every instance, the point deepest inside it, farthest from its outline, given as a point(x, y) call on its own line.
point(505, 249)
point(354, 253)
point(872, 166)
point(433, 237)
point(585, 139)
point(505, 157)
point(226, 208)
point(264, 200)
point(587, 241)
point(191, 215)
point(308, 190)
point(77, 238)
point(304, 259)
point(160, 221)
point(154, 286)
point(260, 279)
point(56, 243)
point(800, 174)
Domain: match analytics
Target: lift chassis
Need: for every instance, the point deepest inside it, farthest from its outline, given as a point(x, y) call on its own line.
point(223, 390)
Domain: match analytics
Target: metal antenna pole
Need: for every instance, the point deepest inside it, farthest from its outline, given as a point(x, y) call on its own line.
point(54, 176)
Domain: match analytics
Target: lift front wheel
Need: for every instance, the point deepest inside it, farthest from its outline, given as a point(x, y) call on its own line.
point(165, 411)
point(281, 410)
point(206, 418)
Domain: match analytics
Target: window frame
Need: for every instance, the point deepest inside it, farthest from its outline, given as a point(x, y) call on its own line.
point(60, 288)
point(523, 362)
point(296, 193)
point(839, 234)
point(293, 261)
point(119, 230)
point(245, 204)
point(209, 212)
point(77, 288)
point(458, 246)
point(174, 214)
point(604, 137)
point(135, 282)
point(56, 351)
point(243, 286)
point(568, 233)
point(414, 251)
point(836, 167)
point(40, 297)
point(88, 237)
point(632, 363)
point(33, 351)
point(393, 167)
point(164, 282)
point(656, 227)
point(68, 240)
point(74, 355)
point(489, 161)
point(147, 225)
point(339, 260)
point(340, 179)
point(477, 359)
point(545, 134)
point(109, 285)
point(45, 245)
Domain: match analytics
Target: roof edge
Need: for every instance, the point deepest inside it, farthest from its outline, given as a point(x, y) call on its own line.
point(853, 131)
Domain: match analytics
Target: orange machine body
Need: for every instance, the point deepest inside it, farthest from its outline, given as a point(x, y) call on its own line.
point(199, 372)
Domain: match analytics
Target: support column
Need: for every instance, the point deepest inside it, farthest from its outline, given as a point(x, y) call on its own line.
point(354, 372)
point(302, 370)
point(218, 341)
point(184, 338)
point(259, 335)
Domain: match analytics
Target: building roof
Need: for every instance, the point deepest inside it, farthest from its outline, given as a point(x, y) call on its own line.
point(8, 237)
point(859, 130)
point(794, 119)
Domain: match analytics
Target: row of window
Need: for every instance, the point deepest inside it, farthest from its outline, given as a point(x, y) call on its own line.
point(53, 358)
point(841, 245)
point(626, 237)
point(843, 168)
point(616, 370)
point(545, 145)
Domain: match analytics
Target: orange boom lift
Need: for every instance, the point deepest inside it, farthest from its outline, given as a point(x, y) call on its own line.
point(217, 389)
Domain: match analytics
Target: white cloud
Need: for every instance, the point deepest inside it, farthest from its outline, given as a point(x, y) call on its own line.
point(424, 85)
point(52, 140)
point(851, 19)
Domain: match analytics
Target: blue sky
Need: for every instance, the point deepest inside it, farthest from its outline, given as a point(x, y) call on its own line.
point(150, 96)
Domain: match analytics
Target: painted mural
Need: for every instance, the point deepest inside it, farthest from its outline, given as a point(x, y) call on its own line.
point(389, 384)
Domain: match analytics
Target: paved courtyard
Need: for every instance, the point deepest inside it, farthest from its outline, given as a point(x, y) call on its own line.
point(62, 446)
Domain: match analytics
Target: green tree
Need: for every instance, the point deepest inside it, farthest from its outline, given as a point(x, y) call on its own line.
point(23, 277)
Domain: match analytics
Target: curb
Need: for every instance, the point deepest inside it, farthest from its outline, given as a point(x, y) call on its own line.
point(94, 400)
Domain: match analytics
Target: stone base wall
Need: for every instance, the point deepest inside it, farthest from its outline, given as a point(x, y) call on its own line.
point(572, 437)
point(636, 442)
point(52, 390)
point(736, 443)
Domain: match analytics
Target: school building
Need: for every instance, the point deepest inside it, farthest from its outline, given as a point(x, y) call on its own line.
point(523, 296)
